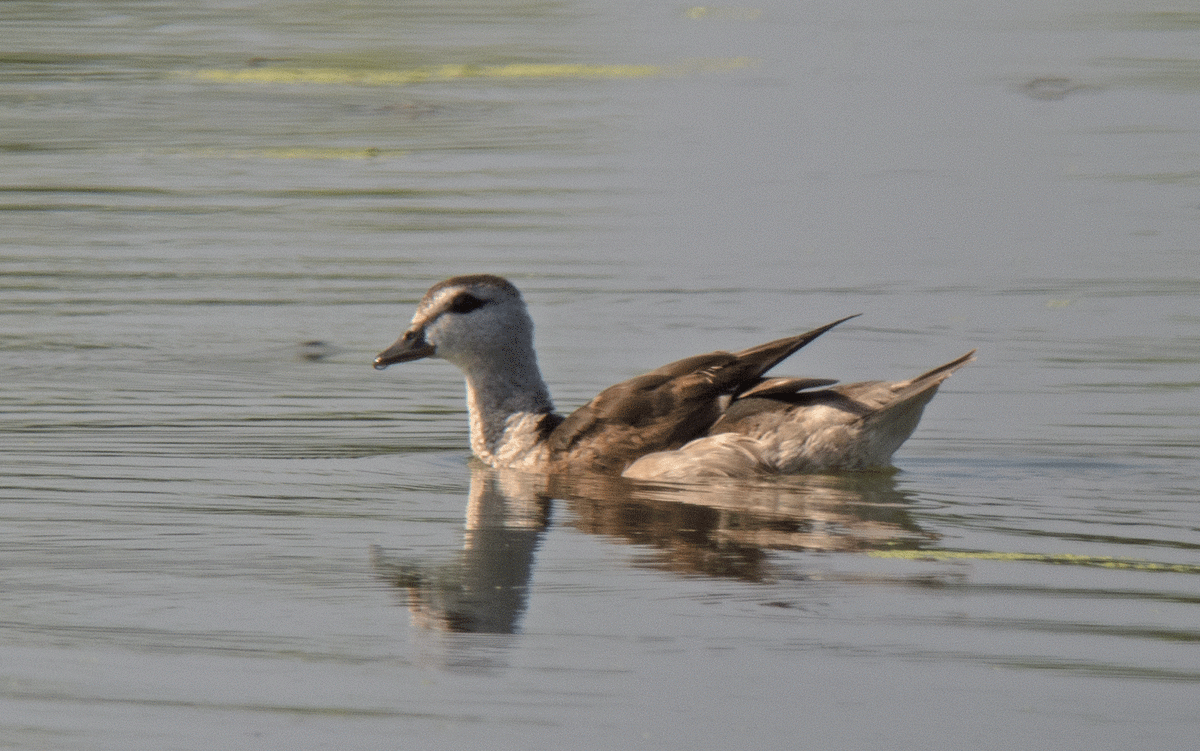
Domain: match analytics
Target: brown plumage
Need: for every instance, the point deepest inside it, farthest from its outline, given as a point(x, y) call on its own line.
point(665, 408)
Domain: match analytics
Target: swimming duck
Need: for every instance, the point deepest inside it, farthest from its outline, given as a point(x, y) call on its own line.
point(713, 415)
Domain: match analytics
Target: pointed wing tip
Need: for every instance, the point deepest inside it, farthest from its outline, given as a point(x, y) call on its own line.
point(822, 329)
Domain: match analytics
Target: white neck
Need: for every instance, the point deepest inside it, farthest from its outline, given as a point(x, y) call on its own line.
point(506, 409)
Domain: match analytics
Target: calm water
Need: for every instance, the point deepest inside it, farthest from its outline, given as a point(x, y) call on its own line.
point(210, 540)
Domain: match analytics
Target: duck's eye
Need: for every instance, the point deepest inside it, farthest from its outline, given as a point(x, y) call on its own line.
point(465, 303)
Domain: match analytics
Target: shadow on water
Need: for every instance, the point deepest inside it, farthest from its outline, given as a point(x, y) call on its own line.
point(721, 531)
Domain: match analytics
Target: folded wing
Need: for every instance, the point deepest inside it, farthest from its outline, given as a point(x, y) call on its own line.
point(783, 428)
point(665, 408)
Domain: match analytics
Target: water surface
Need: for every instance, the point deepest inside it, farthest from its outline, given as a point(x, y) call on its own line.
point(216, 536)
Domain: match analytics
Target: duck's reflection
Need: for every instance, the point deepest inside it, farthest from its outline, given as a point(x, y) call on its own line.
point(723, 530)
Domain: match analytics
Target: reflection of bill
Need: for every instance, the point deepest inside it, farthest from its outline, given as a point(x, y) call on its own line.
point(719, 529)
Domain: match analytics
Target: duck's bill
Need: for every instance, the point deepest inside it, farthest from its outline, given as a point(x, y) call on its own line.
point(411, 346)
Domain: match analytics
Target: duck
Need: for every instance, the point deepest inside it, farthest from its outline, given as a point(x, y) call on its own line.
point(713, 415)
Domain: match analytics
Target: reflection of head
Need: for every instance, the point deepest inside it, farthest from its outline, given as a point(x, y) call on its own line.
point(483, 592)
point(485, 589)
point(444, 601)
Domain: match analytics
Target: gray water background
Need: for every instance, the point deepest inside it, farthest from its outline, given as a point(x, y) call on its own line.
point(203, 530)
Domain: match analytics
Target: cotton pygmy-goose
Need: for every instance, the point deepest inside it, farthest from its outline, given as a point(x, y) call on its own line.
point(711, 415)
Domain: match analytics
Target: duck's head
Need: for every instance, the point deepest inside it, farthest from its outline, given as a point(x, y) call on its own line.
point(466, 320)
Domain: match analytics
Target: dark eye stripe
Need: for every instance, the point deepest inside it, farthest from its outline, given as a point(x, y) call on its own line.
point(465, 303)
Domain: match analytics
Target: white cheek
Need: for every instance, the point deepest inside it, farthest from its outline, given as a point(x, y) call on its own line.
point(441, 336)
point(456, 339)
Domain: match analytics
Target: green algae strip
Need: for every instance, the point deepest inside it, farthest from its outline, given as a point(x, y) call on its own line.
point(1052, 558)
point(452, 72)
point(297, 152)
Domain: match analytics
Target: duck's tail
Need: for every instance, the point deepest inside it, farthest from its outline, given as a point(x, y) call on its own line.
point(895, 420)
